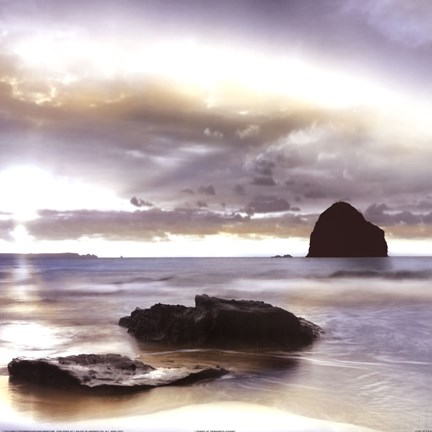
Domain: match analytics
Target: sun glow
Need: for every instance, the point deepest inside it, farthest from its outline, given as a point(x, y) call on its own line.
point(26, 189)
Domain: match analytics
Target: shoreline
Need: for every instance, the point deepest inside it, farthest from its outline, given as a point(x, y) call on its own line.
point(217, 416)
point(69, 309)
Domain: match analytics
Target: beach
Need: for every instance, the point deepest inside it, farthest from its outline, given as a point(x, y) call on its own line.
point(370, 369)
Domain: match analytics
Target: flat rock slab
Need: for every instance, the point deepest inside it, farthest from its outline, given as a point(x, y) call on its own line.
point(107, 371)
point(220, 323)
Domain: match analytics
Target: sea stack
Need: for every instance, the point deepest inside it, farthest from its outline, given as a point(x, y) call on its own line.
point(342, 231)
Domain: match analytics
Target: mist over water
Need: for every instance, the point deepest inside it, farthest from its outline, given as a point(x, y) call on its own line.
point(371, 368)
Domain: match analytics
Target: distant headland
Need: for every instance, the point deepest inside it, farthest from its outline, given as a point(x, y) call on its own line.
point(68, 255)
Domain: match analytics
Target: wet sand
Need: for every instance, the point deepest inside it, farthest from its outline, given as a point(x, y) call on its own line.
point(221, 416)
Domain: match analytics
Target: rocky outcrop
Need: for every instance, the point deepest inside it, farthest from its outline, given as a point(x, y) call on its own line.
point(342, 231)
point(215, 322)
point(104, 372)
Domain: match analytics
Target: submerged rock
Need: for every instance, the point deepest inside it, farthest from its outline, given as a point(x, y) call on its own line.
point(106, 371)
point(215, 322)
point(342, 231)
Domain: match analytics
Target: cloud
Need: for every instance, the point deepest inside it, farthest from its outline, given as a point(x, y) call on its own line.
point(267, 204)
point(138, 202)
point(239, 190)
point(213, 134)
point(315, 193)
point(138, 225)
point(376, 211)
point(144, 136)
point(201, 204)
point(423, 204)
point(248, 132)
point(262, 170)
point(300, 147)
point(263, 181)
point(264, 166)
point(331, 161)
point(156, 224)
point(383, 215)
point(6, 227)
point(207, 190)
point(405, 21)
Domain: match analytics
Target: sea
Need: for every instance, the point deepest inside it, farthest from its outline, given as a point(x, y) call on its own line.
point(372, 367)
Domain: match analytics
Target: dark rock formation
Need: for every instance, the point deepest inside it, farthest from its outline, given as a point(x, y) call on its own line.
point(215, 322)
point(282, 256)
point(104, 372)
point(342, 231)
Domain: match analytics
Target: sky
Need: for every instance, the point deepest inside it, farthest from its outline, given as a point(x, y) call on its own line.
point(212, 128)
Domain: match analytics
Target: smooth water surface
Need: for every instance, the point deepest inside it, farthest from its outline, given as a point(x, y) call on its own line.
point(371, 368)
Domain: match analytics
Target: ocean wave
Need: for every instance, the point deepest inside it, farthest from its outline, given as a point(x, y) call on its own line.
point(396, 275)
point(142, 279)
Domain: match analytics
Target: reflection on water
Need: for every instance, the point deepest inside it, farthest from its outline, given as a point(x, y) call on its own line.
point(23, 335)
point(240, 362)
point(292, 390)
point(375, 354)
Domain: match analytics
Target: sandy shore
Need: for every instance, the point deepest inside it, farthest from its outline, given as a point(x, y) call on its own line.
point(214, 417)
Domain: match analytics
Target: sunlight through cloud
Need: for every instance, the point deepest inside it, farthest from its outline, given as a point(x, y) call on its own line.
point(27, 189)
